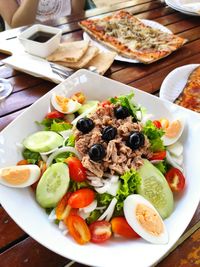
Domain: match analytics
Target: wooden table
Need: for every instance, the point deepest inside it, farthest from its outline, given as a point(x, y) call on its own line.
point(16, 247)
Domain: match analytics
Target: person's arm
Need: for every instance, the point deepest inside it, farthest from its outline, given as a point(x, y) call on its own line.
point(16, 15)
point(77, 6)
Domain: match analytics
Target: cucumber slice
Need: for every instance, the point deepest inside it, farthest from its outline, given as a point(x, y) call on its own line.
point(155, 188)
point(52, 185)
point(87, 105)
point(43, 141)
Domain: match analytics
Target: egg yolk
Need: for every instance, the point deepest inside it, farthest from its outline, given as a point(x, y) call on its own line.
point(173, 129)
point(149, 220)
point(15, 177)
point(62, 102)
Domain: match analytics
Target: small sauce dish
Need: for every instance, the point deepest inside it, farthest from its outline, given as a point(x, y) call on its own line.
point(40, 40)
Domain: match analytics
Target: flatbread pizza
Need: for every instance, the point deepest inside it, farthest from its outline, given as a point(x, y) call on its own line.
point(190, 96)
point(131, 38)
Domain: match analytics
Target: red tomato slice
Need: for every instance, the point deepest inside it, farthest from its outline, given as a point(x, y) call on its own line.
point(157, 124)
point(121, 227)
point(105, 103)
point(175, 179)
point(76, 170)
point(81, 198)
point(160, 155)
point(78, 229)
point(100, 231)
point(55, 115)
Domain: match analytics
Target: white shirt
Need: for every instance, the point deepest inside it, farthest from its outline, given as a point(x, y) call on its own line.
point(52, 9)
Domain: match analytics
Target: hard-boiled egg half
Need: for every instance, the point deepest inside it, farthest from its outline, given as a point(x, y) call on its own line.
point(144, 219)
point(64, 105)
point(19, 176)
point(173, 131)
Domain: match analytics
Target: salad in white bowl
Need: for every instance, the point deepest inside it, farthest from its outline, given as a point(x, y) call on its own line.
point(103, 168)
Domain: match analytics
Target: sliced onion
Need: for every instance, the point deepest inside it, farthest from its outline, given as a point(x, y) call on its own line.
point(103, 189)
point(176, 149)
point(112, 190)
point(62, 226)
point(96, 183)
point(44, 157)
point(83, 214)
point(112, 178)
point(65, 232)
point(171, 161)
point(61, 150)
point(52, 215)
point(90, 207)
point(48, 152)
point(109, 211)
point(100, 208)
point(65, 134)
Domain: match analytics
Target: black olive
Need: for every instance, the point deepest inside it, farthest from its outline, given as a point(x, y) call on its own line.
point(96, 152)
point(109, 133)
point(85, 125)
point(135, 140)
point(121, 112)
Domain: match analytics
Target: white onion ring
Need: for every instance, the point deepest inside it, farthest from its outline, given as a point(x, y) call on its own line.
point(109, 211)
point(61, 150)
point(52, 215)
point(92, 206)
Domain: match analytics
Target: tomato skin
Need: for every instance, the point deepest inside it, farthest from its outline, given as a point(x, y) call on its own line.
point(122, 228)
point(81, 198)
point(175, 179)
point(105, 103)
point(22, 162)
point(76, 170)
point(157, 124)
point(54, 115)
point(78, 229)
point(100, 231)
point(160, 155)
point(62, 210)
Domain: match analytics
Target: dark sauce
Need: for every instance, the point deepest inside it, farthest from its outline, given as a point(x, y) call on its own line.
point(41, 37)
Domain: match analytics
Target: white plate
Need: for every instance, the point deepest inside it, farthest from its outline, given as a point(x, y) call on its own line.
point(173, 5)
point(175, 81)
point(22, 207)
point(102, 47)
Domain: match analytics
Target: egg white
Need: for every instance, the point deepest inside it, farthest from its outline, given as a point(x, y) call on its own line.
point(72, 105)
point(33, 177)
point(130, 205)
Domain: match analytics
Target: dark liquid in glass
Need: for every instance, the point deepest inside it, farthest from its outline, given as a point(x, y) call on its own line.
point(41, 37)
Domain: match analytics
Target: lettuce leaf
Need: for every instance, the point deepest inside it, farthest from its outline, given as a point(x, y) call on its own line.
point(56, 125)
point(154, 135)
point(126, 101)
point(129, 183)
point(94, 215)
point(30, 156)
point(104, 199)
point(162, 166)
point(71, 141)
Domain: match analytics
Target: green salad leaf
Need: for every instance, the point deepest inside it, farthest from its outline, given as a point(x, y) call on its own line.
point(62, 156)
point(154, 135)
point(129, 183)
point(73, 186)
point(70, 141)
point(30, 156)
point(126, 101)
point(104, 199)
point(94, 215)
point(56, 125)
point(161, 166)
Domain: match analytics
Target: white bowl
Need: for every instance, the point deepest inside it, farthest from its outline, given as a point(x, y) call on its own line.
point(40, 49)
point(23, 208)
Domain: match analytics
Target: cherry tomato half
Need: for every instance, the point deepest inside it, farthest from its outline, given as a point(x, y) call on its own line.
point(105, 103)
point(22, 162)
point(62, 209)
point(76, 170)
point(81, 198)
point(55, 115)
point(160, 155)
point(78, 229)
point(100, 231)
point(157, 124)
point(175, 179)
point(121, 227)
